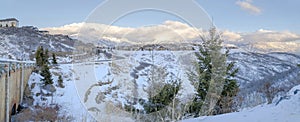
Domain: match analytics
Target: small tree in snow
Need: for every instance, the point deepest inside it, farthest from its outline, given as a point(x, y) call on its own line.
point(60, 82)
point(46, 56)
point(46, 75)
point(39, 55)
point(42, 62)
point(54, 59)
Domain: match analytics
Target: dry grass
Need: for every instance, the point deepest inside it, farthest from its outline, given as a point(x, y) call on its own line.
point(39, 113)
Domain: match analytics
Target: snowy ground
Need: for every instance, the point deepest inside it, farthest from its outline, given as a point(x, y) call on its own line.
point(126, 77)
point(287, 110)
point(72, 101)
point(67, 97)
point(99, 89)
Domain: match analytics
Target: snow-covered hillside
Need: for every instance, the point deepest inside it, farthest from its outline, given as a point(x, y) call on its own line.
point(123, 79)
point(66, 98)
point(20, 43)
point(130, 70)
point(255, 69)
point(286, 110)
point(99, 88)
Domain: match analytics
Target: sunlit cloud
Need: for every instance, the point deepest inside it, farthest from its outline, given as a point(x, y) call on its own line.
point(249, 7)
point(176, 32)
point(169, 31)
point(271, 36)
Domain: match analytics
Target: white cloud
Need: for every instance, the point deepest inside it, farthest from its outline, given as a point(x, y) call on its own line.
point(176, 32)
point(293, 47)
point(267, 41)
point(246, 5)
point(169, 31)
point(231, 36)
point(270, 36)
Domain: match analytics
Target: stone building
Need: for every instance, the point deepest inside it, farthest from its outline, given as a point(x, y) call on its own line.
point(11, 22)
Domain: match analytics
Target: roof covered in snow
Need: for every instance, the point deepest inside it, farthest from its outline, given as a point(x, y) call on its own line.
point(9, 19)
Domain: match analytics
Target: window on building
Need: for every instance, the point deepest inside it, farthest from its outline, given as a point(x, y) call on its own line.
point(0, 25)
point(13, 24)
point(6, 25)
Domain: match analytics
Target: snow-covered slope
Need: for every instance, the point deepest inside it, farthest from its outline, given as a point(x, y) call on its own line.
point(255, 66)
point(70, 106)
point(20, 43)
point(292, 58)
point(103, 86)
point(131, 70)
point(123, 79)
point(286, 110)
point(255, 69)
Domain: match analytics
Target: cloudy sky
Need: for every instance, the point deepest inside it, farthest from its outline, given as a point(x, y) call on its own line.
point(233, 15)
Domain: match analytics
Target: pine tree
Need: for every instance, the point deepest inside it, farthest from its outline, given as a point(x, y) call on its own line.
point(42, 62)
point(45, 72)
point(163, 98)
point(60, 82)
point(46, 57)
point(230, 90)
point(213, 79)
point(54, 59)
point(38, 58)
point(41, 53)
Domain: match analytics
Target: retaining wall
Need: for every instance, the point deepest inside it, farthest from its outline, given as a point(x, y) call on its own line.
point(12, 87)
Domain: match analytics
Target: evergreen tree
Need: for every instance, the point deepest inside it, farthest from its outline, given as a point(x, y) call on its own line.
point(45, 72)
point(213, 79)
point(163, 98)
point(230, 90)
point(41, 53)
point(42, 62)
point(38, 56)
point(46, 57)
point(54, 59)
point(60, 81)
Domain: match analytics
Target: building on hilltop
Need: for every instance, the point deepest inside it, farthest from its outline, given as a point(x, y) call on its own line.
point(10, 22)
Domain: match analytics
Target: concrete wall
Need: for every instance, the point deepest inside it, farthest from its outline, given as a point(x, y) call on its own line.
point(12, 87)
point(2, 98)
